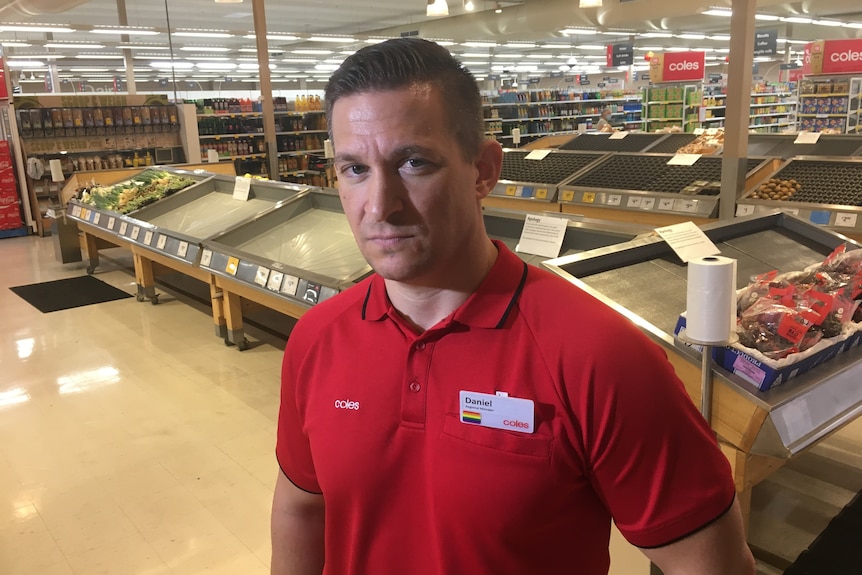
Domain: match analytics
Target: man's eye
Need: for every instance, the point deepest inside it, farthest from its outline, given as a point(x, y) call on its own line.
point(355, 169)
point(416, 163)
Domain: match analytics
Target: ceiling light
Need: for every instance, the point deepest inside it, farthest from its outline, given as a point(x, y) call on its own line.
point(99, 56)
point(211, 58)
point(557, 46)
point(375, 40)
point(720, 37)
point(766, 17)
point(590, 4)
point(248, 66)
point(174, 65)
point(578, 32)
point(203, 34)
point(298, 60)
point(718, 12)
point(797, 20)
point(61, 46)
point(540, 56)
point(619, 33)
point(590, 47)
point(141, 47)
point(274, 37)
point(39, 56)
point(216, 66)
point(469, 6)
point(437, 8)
point(34, 28)
point(335, 39)
point(656, 35)
point(15, 44)
point(479, 44)
point(24, 63)
point(846, 25)
point(649, 48)
point(311, 52)
point(129, 31)
point(443, 42)
point(833, 23)
point(520, 45)
point(691, 36)
point(326, 67)
point(205, 49)
point(471, 63)
point(498, 9)
point(91, 70)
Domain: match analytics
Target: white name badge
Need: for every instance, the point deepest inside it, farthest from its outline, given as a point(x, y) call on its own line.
point(497, 411)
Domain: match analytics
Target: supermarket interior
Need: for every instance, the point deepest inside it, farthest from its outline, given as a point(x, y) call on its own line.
point(169, 209)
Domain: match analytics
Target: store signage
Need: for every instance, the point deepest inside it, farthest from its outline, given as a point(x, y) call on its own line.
point(715, 78)
point(622, 54)
point(833, 57)
point(4, 92)
point(601, 85)
point(613, 81)
point(677, 66)
point(790, 66)
point(765, 42)
point(556, 74)
point(584, 80)
point(533, 80)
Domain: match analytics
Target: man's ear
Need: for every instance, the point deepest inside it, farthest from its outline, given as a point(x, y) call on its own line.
point(488, 164)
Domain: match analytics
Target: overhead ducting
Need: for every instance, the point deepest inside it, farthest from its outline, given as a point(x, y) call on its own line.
point(9, 9)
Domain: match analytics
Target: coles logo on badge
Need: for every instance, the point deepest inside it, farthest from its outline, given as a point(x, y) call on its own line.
point(346, 404)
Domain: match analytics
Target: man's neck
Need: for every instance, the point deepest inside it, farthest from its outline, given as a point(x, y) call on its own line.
point(424, 306)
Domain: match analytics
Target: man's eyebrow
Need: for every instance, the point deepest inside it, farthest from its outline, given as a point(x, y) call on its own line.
point(403, 151)
point(346, 158)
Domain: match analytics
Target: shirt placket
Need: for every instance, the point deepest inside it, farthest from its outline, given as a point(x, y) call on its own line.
point(414, 391)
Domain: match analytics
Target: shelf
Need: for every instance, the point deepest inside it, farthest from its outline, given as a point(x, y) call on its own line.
point(300, 152)
point(771, 115)
point(722, 119)
point(299, 173)
point(256, 114)
point(494, 132)
point(822, 115)
point(542, 134)
point(714, 107)
point(775, 125)
point(664, 119)
point(667, 102)
point(558, 102)
point(772, 104)
point(823, 95)
point(298, 132)
point(242, 157)
point(295, 113)
point(228, 136)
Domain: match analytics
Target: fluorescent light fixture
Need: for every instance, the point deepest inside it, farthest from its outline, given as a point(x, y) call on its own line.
point(437, 8)
point(619, 33)
point(215, 66)
point(718, 12)
point(91, 70)
point(254, 50)
point(24, 63)
point(326, 67)
point(766, 17)
point(34, 28)
point(520, 45)
point(205, 49)
point(334, 39)
point(688, 36)
point(15, 44)
point(129, 31)
point(590, 47)
point(141, 47)
point(720, 37)
point(202, 34)
point(375, 40)
point(248, 66)
point(62, 46)
point(274, 37)
point(312, 52)
point(474, 55)
point(473, 44)
point(444, 42)
point(540, 56)
point(526, 68)
point(211, 58)
point(469, 6)
point(649, 48)
point(656, 35)
point(99, 56)
point(556, 46)
point(470, 63)
point(589, 3)
point(174, 65)
point(578, 32)
point(797, 20)
point(846, 25)
point(833, 23)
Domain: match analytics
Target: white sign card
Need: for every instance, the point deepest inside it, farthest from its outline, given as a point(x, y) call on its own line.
point(665, 204)
point(97, 218)
point(846, 220)
point(183, 249)
point(148, 237)
point(111, 222)
point(206, 257)
point(123, 227)
point(274, 283)
point(537, 155)
point(136, 231)
point(241, 188)
point(688, 241)
point(262, 275)
point(648, 203)
point(542, 236)
point(807, 138)
point(163, 239)
point(618, 135)
point(744, 210)
point(289, 285)
point(684, 160)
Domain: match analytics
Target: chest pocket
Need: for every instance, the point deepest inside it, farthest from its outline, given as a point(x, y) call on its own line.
point(525, 444)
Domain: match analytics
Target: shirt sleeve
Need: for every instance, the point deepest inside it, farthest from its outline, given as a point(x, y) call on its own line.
point(653, 459)
point(292, 449)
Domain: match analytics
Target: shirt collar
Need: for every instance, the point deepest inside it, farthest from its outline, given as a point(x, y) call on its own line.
point(488, 307)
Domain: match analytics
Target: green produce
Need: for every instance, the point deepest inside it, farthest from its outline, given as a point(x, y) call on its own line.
point(147, 187)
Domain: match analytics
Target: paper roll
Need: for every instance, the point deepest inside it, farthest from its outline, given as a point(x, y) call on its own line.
point(56, 171)
point(711, 299)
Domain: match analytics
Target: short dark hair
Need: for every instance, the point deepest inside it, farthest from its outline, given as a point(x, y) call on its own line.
point(403, 62)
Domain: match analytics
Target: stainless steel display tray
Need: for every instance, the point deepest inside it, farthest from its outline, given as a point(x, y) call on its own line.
point(783, 146)
point(646, 282)
point(582, 234)
point(538, 180)
point(303, 250)
point(831, 193)
point(646, 183)
point(632, 142)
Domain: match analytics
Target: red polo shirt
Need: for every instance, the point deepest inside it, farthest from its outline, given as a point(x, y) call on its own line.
point(370, 418)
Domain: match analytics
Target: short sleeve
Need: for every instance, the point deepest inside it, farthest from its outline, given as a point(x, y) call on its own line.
point(654, 460)
point(292, 449)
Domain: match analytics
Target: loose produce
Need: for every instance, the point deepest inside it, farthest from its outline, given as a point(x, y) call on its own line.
point(777, 189)
point(144, 189)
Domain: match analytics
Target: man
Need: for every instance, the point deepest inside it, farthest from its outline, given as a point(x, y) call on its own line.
point(459, 412)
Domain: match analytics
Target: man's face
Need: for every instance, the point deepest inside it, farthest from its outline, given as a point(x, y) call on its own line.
point(412, 199)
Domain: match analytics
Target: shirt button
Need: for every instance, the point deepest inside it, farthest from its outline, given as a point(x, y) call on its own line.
point(414, 386)
point(420, 346)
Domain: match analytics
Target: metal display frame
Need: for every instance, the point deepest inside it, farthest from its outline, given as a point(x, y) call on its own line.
point(758, 431)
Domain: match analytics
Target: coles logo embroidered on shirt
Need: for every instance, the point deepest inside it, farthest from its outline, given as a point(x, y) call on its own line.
point(346, 404)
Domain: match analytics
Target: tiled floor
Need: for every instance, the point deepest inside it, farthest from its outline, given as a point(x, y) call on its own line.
point(132, 441)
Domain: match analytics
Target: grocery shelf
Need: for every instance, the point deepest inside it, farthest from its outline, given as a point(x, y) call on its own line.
point(241, 157)
point(714, 107)
point(771, 115)
point(823, 95)
point(663, 119)
point(667, 102)
point(299, 152)
point(714, 119)
point(822, 115)
point(298, 132)
point(778, 103)
point(775, 125)
point(232, 115)
point(235, 136)
point(299, 172)
point(501, 104)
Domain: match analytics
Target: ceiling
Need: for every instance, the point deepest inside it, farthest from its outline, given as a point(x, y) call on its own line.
point(528, 34)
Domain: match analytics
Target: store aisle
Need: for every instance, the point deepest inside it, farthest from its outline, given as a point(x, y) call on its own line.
point(132, 441)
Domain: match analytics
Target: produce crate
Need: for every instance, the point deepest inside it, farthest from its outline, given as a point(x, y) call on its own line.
point(604, 143)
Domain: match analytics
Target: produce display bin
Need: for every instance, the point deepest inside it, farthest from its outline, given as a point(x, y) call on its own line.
point(830, 194)
point(632, 142)
point(582, 234)
point(645, 188)
point(783, 145)
point(289, 258)
point(531, 185)
point(759, 431)
point(671, 143)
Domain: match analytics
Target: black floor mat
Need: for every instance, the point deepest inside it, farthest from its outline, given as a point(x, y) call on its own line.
point(68, 293)
point(837, 550)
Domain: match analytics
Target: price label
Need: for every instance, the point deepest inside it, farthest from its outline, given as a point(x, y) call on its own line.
point(698, 131)
point(85, 214)
point(519, 192)
point(684, 160)
point(846, 220)
point(123, 227)
point(163, 240)
point(648, 203)
point(262, 276)
point(634, 202)
point(275, 279)
point(111, 221)
point(615, 200)
point(206, 257)
point(687, 206)
point(136, 231)
point(542, 194)
point(744, 210)
point(148, 237)
point(712, 131)
point(241, 188)
point(807, 138)
point(97, 218)
point(511, 190)
point(589, 197)
point(76, 211)
point(537, 155)
point(568, 195)
point(665, 204)
point(618, 135)
point(183, 249)
point(232, 265)
point(791, 211)
point(289, 285)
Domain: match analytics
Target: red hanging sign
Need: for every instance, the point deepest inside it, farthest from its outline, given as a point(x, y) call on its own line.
point(4, 92)
point(678, 67)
